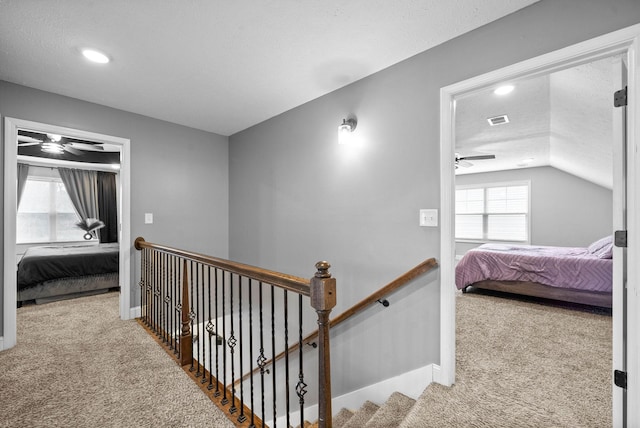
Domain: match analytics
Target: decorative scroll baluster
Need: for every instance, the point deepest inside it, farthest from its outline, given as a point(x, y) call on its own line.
point(210, 330)
point(261, 358)
point(301, 387)
point(202, 326)
point(174, 302)
point(225, 399)
point(177, 309)
point(167, 301)
point(232, 346)
point(251, 395)
point(241, 416)
point(217, 393)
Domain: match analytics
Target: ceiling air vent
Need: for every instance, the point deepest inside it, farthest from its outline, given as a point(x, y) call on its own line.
point(498, 120)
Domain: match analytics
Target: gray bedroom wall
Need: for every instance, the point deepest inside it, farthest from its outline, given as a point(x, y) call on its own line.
point(566, 211)
point(179, 174)
point(296, 197)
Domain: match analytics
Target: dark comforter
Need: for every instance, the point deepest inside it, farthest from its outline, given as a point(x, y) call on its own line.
point(41, 264)
point(576, 268)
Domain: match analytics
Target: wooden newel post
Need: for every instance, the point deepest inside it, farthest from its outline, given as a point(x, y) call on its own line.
point(323, 299)
point(186, 336)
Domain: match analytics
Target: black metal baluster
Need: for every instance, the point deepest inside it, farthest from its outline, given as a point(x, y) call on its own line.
point(176, 303)
point(261, 358)
point(174, 327)
point(143, 276)
point(167, 300)
point(156, 293)
point(253, 409)
point(196, 332)
point(217, 393)
point(201, 335)
point(224, 400)
point(286, 355)
point(301, 387)
point(210, 330)
point(242, 417)
point(192, 314)
point(232, 346)
point(273, 353)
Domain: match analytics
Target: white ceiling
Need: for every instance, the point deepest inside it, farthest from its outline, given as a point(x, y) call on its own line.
point(563, 119)
point(221, 66)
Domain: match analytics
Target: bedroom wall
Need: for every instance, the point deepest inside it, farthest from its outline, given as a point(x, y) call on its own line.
point(296, 197)
point(566, 211)
point(179, 174)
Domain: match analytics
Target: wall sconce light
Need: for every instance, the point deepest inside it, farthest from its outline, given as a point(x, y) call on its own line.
point(346, 129)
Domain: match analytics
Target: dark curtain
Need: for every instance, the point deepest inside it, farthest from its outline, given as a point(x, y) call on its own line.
point(23, 173)
point(107, 206)
point(82, 188)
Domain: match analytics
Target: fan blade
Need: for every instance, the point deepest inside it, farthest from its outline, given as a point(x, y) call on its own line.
point(478, 157)
point(72, 150)
point(27, 141)
point(86, 147)
point(27, 144)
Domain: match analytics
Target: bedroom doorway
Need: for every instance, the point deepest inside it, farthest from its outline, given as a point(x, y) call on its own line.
point(13, 128)
point(623, 43)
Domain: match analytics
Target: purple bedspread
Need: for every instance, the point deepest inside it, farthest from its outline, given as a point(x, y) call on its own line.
point(555, 266)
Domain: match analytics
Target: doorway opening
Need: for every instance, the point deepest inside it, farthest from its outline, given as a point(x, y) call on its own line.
point(624, 43)
point(12, 130)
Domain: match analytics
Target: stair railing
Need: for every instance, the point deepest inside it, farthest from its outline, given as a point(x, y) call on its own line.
point(376, 297)
point(194, 305)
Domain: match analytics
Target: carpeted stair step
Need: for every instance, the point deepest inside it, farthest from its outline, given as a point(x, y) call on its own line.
point(392, 413)
point(342, 418)
point(338, 420)
point(362, 415)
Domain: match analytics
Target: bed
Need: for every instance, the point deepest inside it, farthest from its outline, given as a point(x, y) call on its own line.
point(52, 272)
point(571, 274)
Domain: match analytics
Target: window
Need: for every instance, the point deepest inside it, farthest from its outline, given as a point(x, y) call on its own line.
point(46, 213)
point(496, 212)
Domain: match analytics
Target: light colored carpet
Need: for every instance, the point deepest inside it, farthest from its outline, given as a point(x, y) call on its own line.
point(522, 364)
point(77, 365)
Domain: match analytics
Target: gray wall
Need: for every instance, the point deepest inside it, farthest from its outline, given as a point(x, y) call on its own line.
point(179, 174)
point(566, 211)
point(296, 197)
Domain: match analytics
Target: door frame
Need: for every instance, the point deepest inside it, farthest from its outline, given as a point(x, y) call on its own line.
point(11, 126)
point(624, 41)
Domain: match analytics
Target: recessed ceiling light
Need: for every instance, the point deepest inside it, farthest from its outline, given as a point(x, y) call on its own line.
point(95, 56)
point(503, 90)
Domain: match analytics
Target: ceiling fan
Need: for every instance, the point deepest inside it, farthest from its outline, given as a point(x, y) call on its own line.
point(464, 160)
point(57, 144)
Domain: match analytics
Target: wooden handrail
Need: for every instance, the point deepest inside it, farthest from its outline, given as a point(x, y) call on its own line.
point(288, 282)
point(403, 279)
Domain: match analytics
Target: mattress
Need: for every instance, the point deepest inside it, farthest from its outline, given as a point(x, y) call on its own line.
point(41, 264)
point(564, 267)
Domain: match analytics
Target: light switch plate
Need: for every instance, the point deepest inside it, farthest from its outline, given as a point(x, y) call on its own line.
point(148, 218)
point(429, 217)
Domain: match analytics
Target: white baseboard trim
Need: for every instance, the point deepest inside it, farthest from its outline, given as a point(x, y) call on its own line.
point(438, 375)
point(412, 384)
point(135, 312)
point(1, 343)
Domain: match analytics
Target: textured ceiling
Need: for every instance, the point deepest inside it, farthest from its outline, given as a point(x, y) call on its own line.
point(221, 66)
point(564, 120)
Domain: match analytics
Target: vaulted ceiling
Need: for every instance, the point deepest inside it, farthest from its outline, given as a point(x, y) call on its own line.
point(221, 66)
point(563, 119)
